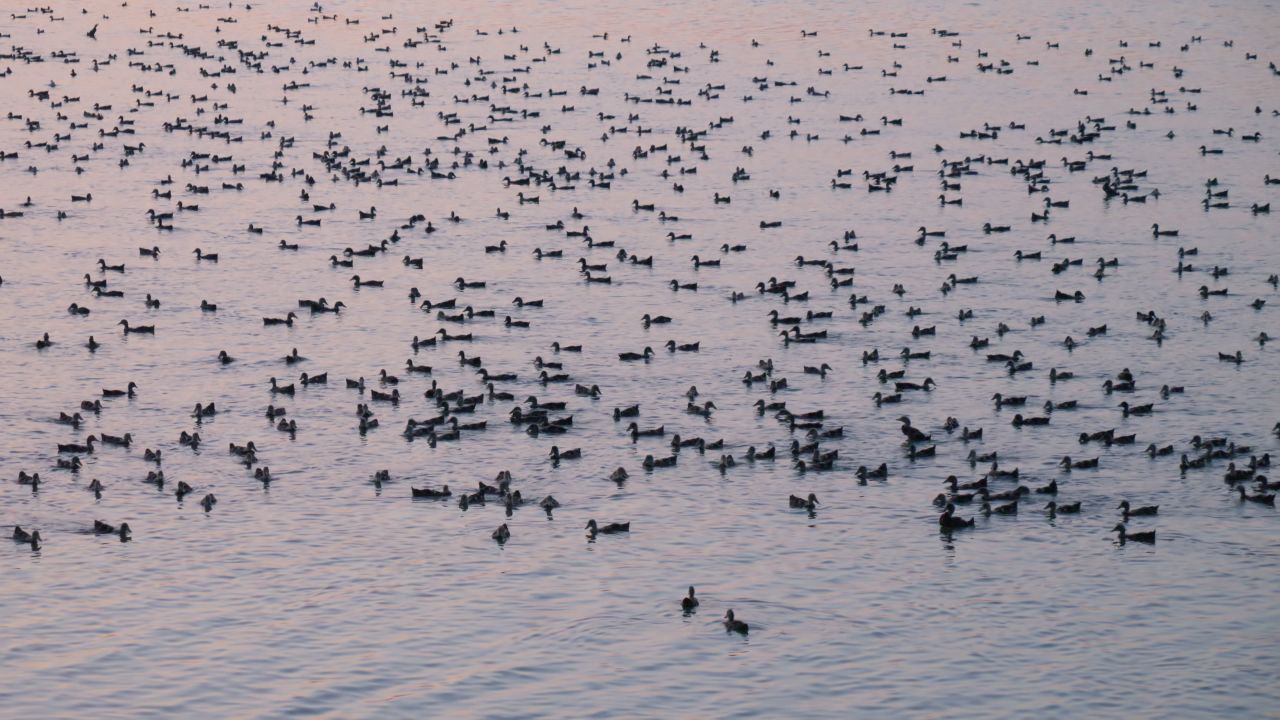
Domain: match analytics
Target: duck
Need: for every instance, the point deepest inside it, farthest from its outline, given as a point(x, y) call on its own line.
point(1128, 512)
point(1068, 464)
point(1148, 537)
point(703, 411)
point(123, 531)
point(1136, 409)
point(502, 534)
point(633, 356)
point(27, 538)
point(732, 624)
point(125, 441)
point(808, 503)
point(1006, 509)
point(879, 473)
point(1054, 508)
point(443, 492)
point(287, 320)
point(557, 454)
point(138, 329)
point(948, 520)
point(608, 528)
point(1260, 498)
point(85, 449)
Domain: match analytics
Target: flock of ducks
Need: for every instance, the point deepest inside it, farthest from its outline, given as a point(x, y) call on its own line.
point(506, 95)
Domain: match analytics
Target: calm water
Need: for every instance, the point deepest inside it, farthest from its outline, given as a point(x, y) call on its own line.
point(326, 595)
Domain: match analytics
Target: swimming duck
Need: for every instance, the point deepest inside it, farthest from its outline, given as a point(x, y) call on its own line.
point(557, 454)
point(1054, 507)
point(1142, 511)
point(1068, 464)
point(732, 624)
point(703, 411)
point(1136, 409)
point(85, 449)
point(880, 473)
point(1148, 537)
point(139, 329)
point(28, 538)
point(1261, 498)
point(123, 531)
point(1007, 509)
point(808, 503)
point(287, 320)
point(117, 441)
point(948, 520)
point(607, 529)
point(502, 534)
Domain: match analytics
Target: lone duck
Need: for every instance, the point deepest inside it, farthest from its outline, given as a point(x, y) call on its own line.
point(1128, 512)
point(732, 624)
point(443, 492)
point(689, 602)
point(1148, 537)
point(502, 534)
point(139, 329)
point(29, 538)
point(608, 529)
point(101, 528)
point(808, 503)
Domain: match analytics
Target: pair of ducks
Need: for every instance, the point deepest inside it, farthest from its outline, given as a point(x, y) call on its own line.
point(503, 533)
point(33, 538)
point(690, 602)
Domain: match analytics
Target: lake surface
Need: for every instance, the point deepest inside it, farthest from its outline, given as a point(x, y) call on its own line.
point(326, 594)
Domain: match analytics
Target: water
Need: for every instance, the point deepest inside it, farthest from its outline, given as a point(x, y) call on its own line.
point(325, 595)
